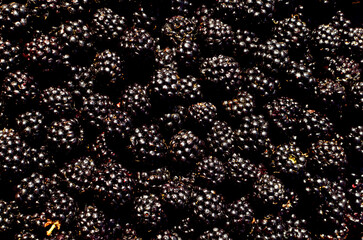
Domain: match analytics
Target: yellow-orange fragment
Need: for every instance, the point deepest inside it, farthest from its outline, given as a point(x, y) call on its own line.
point(55, 224)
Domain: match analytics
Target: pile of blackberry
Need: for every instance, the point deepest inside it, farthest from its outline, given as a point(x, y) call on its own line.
point(181, 119)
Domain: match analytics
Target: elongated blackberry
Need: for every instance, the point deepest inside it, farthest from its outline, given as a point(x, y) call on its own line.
point(239, 106)
point(8, 220)
point(65, 135)
point(186, 148)
point(15, 20)
point(57, 102)
point(202, 114)
point(148, 145)
point(136, 100)
point(13, 155)
point(176, 195)
point(118, 127)
point(114, 185)
point(107, 25)
point(9, 55)
point(177, 29)
point(210, 172)
point(92, 223)
point(220, 139)
point(241, 171)
point(315, 125)
point(239, 217)
point(149, 213)
point(207, 206)
point(153, 179)
point(31, 125)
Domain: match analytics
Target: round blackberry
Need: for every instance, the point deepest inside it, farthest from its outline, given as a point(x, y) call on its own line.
point(171, 123)
point(9, 55)
point(178, 29)
point(210, 172)
point(148, 213)
point(92, 223)
point(136, 100)
point(107, 25)
point(165, 58)
point(207, 206)
point(241, 170)
point(220, 139)
point(186, 148)
point(148, 145)
point(315, 125)
point(241, 105)
point(239, 217)
point(344, 70)
point(64, 136)
point(41, 159)
point(326, 40)
point(300, 76)
point(202, 114)
point(100, 149)
point(114, 185)
point(31, 125)
point(176, 195)
point(57, 102)
point(190, 90)
point(245, 44)
point(15, 20)
point(80, 83)
point(164, 85)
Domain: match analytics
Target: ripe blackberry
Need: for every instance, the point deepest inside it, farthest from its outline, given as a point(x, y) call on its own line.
point(315, 125)
point(270, 226)
point(241, 171)
point(8, 220)
point(288, 159)
point(202, 114)
point(344, 70)
point(241, 105)
point(207, 206)
point(222, 73)
point(136, 100)
point(164, 85)
point(300, 77)
point(45, 53)
point(215, 37)
point(61, 210)
point(92, 223)
point(215, 233)
point(146, 18)
point(165, 58)
point(118, 127)
point(95, 109)
point(285, 113)
point(355, 143)
point(273, 56)
point(171, 123)
point(220, 140)
point(326, 40)
point(270, 191)
point(176, 195)
point(9, 55)
point(31, 125)
point(357, 96)
point(229, 11)
point(148, 145)
point(245, 44)
point(64, 136)
point(80, 83)
point(177, 29)
point(32, 192)
point(258, 12)
point(57, 102)
point(210, 172)
point(328, 157)
point(355, 35)
point(296, 228)
point(190, 90)
point(182, 7)
point(44, 12)
point(239, 217)
point(107, 25)
point(41, 159)
point(187, 55)
point(13, 155)
point(186, 228)
point(19, 89)
point(186, 148)
point(260, 83)
point(354, 195)
point(251, 136)
point(15, 20)
point(114, 185)
point(109, 71)
point(148, 213)
point(79, 175)
point(76, 8)
point(152, 180)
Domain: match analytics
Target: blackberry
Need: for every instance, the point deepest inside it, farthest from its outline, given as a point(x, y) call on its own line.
point(186, 228)
point(8, 220)
point(136, 100)
point(148, 145)
point(257, 12)
point(170, 123)
point(285, 113)
point(45, 53)
point(215, 37)
point(178, 29)
point(300, 77)
point(326, 40)
point(187, 55)
point(239, 217)
point(9, 55)
point(13, 155)
point(220, 139)
point(153, 179)
point(260, 83)
point(270, 226)
point(222, 73)
point(344, 70)
point(109, 71)
point(202, 114)
point(19, 89)
point(65, 135)
point(207, 206)
point(296, 228)
point(165, 58)
point(357, 96)
point(251, 136)
point(32, 192)
point(92, 223)
point(148, 213)
point(61, 211)
point(114, 185)
point(31, 125)
point(241, 171)
point(186, 148)
point(57, 102)
point(355, 35)
point(147, 19)
point(215, 233)
point(79, 175)
point(190, 89)
point(239, 106)
point(107, 25)
point(101, 149)
point(245, 44)
point(76, 8)
point(118, 126)
point(15, 20)
point(328, 156)
point(95, 109)
point(229, 11)
point(41, 159)
point(354, 195)
point(354, 142)
point(210, 172)
point(164, 85)
point(270, 191)
point(176, 194)
point(44, 12)
point(80, 83)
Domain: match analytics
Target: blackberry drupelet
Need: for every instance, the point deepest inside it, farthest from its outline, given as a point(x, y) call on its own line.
point(31, 125)
point(241, 171)
point(186, 149)
point(215, 233)
point(64, 135)
point(114, 185)
point(148, 146)
point(220, 140)
point(92, 223)
point(239, 217)
point(202, 114)
point(136, 100)
point(178, 29)
point(57, 102)
point(210, 172)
